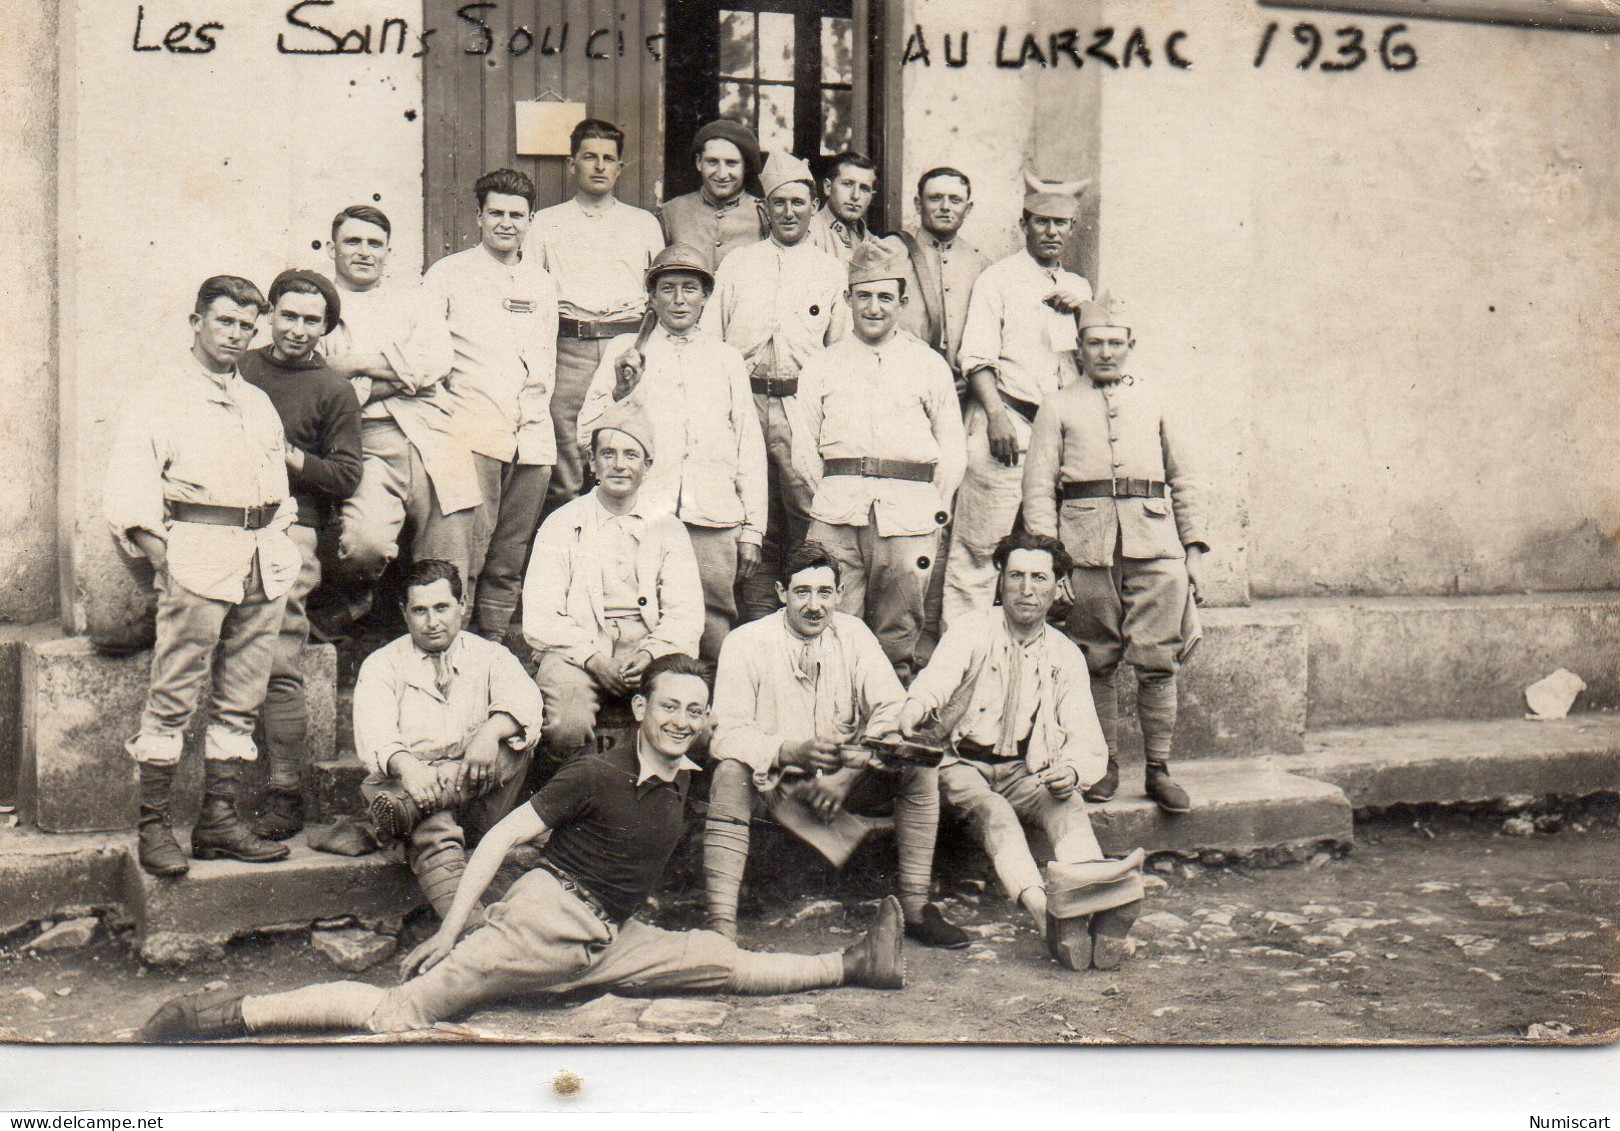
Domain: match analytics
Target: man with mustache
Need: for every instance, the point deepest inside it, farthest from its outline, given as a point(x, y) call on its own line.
point(710, 472)
point(1009, 694)
point(795, 691)
point(1018, 347)
point(722, 215)
point(612, 585)
point(501, 307)
point(1102, 455)
point(882, 448)
point(197, 485)
point(446, 722)
point(598, 249)
point(322, 423)
point(613, 819)
point(779, 302)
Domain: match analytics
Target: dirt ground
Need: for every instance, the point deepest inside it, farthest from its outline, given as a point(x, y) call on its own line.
point(1433, 929)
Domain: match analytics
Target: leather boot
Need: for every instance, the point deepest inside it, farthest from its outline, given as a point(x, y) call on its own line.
point(1164, 792)
point(878, 960)
point(220, 834)
point(283, 815)
point(392, 816)
point(200, 1015)
point(1105, 698)
point(159, 852)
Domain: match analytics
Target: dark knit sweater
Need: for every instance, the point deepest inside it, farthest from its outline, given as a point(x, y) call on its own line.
point(321, 418)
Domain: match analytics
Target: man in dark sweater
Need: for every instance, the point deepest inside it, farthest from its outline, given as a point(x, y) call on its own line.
point(614, 819)
point(322, 421)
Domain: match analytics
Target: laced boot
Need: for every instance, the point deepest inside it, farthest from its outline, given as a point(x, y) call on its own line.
point(160, 853)
point(199, 1015)
point(220, 833)
point(283, 815)
point(1156, 708)
point(878, 959)
point(1105, 697)
point(1163, 790)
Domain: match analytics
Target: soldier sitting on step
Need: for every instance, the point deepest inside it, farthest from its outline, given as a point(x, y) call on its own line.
point(1011, 696)
point(446, 721)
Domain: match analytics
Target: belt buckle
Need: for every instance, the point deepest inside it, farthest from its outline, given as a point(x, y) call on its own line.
point(1113, 486)
point(246, 518)
point(870, 466)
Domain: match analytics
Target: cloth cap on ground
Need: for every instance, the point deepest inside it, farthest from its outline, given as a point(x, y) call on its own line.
point(679, 257)
point(736, 133)
point(1057, 199)
point(334, 304)
point(782, 168)
point(1073, 890)
point(1104, 310)
point(629, 417)
point(878, 258)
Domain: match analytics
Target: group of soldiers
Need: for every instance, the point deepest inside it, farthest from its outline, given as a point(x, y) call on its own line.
point(735, 437)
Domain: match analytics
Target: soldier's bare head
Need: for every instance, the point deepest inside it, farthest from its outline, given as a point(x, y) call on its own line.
point(672, 705)
point(596, 157)
point(850, 186)
point(810, 594)
point(224, 320)
point(1030, 567)
point(359, 246)
point(432, 605)
point(944, 199)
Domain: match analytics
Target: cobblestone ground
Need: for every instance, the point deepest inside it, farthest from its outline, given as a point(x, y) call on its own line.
point(1435, 929)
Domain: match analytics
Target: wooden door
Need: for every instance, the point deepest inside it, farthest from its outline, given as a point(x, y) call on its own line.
point(605, 53)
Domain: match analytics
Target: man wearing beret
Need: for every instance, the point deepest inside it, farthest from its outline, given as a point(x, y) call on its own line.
point(1017, 349)
point(321, 420)
point(779, 302)
point(612, 585)
point(1101, 454)
point(710, 472)
point(598, 249)
point(882, 447)
point(722, 215)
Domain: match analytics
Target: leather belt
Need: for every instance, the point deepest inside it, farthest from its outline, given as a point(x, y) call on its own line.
point(208, 514)
point(579, 891)
point(978, 752)
point(870, 467)
point(1114, 489)
point(774, 386)
point(1026, 409)
point(594, 329)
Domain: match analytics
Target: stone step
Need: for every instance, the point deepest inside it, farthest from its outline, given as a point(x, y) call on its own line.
point(1470, 760)
point(78, 706)
point(182, 919)
point(334, 788)
point(1381, 660)
point(45, 875)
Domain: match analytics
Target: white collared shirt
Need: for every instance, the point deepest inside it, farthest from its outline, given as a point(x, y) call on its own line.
point(1009, 328)
point(790, 299)
point(392, 319)
point(598, 256)
point(709, 463)
point(503, 327)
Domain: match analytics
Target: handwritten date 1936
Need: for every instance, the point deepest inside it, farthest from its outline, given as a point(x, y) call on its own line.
point(1350, 52)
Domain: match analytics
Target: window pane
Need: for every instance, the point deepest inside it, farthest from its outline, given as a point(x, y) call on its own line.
point(837, 51)
point(776, 46)
point(737, 102)
point(737, 44)
point(837, 121)
point(776, 118)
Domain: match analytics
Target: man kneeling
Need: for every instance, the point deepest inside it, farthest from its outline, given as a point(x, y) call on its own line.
point(446, 722)
point(1012, 696)
point(614, 819)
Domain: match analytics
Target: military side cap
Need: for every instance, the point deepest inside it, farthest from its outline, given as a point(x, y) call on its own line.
point(1059, 200)
point(334, 305)
point(874, 259)
point(1104, 310)
point(680, 257)
point(736, 133)
point(782, 168)
point(627, 416)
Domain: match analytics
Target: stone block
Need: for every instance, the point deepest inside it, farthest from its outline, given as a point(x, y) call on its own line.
point(1400, 659)
point(335, 789)
point(1238, 807)
point(224, 899)
point(1469, 760)
point(13, 638)
point(79, 705)
point(42, 874)
point(1243, 692)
